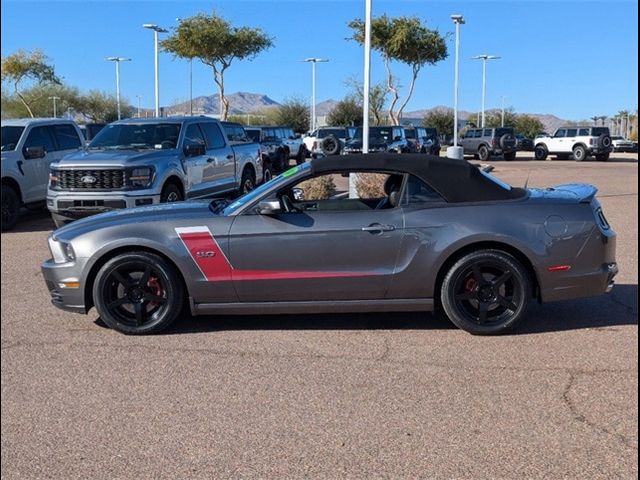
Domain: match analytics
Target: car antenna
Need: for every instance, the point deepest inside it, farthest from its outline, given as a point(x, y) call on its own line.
point(526, 182)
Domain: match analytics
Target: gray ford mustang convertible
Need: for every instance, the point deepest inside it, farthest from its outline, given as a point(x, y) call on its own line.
point(354, 233)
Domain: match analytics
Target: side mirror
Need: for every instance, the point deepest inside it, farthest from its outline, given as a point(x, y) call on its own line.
point(268, 207)
point(31, 153)
point(194, 150)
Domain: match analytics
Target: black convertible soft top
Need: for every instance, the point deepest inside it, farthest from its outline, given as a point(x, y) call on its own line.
point(455, 180)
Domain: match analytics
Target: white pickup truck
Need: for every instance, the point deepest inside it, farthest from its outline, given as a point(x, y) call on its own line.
point(144, 161)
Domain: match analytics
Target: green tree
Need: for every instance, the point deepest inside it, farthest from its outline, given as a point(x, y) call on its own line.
point(23, 66)
point(405, 40)
point(347, 112)
point(102, 107)
point(377, 99)
point(442, 119)
point(216, 43)
point(528, 125)
point(294, 113)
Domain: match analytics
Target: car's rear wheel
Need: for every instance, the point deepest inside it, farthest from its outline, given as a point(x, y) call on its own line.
point(267, 172)
point(486, 292)
point(330, 145)
point(302, 155)
point(579, 153)
point(137, 293)
point(602, 157)
point(483, 153)
point(10, 208)
point(282, 161)
point(540, 153)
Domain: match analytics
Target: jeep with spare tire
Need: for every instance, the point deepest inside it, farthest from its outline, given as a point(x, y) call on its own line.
point(578, 143)
point(483, 143)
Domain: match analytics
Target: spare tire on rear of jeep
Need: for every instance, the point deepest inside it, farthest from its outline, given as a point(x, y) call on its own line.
point(604, 141)
point(330, 145)
point(507, 142)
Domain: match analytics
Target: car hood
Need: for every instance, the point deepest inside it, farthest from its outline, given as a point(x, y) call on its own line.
point(113, 158)
point(166, 213)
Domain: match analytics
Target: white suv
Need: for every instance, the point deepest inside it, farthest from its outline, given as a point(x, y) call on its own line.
point(576, 142)
point(29, 146)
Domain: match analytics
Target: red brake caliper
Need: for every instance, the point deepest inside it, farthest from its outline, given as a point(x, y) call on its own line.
point(156, 289)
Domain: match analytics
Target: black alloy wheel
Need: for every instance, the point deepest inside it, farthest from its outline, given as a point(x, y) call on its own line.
point(486, 292)
point(137, 293)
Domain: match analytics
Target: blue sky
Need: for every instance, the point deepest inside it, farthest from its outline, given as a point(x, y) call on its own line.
point(571, 58)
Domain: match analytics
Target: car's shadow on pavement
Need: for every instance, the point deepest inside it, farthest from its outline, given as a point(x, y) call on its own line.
point(38, 220)
point(607, 311)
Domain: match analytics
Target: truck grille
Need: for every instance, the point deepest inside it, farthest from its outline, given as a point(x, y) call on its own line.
point(90, 179)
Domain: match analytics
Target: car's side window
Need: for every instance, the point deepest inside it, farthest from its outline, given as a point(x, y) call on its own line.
point(66, 136)
point(487, 132)
point(193, 136)
point(214, 136)
point(40, 137)
point(418, 192)
point(572, 132)
point(330, 192)
point(477, 133)
point(560, 133)
point(584, 132)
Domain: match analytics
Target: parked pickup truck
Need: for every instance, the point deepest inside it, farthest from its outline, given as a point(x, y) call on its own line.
point(138, 162)
point(29, 146)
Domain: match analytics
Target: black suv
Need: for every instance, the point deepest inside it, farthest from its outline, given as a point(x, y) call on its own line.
point(423, 140)
point(381, 139)
point(484, 142)
point(278, 145)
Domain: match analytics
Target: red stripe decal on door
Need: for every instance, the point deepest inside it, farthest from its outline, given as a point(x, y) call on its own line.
point(215, 266)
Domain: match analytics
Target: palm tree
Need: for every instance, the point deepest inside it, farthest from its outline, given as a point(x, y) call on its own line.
point(623, 114)
point(603, 118)
point(595, 120)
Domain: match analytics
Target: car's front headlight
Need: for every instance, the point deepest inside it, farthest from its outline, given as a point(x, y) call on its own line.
point(62, 252)
point(141, 177)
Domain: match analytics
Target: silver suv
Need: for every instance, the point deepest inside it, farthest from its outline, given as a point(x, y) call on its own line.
point(29, 146)
point(484, 142)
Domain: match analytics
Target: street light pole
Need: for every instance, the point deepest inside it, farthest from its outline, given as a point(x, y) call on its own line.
point(484, 59)
point(55, 111)
point(503, 98)
point(117, 61)
point(455, 151)
point(313, 62)
point(138, 97)
point(191, 87)
point(156, 30)
point(366, 77)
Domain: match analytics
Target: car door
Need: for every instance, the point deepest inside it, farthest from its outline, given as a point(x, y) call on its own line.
point(311, 255)
point(570, 139)
point(194, 164)
point(557, 142)
point(290, 140)
point(36, 170)
point(219, 171)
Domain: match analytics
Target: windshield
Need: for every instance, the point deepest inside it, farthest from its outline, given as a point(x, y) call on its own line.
point(410, 133)
point(258, 192)
point(376, 134)
point(137, 136)
point(10, 137)
point(254, 135)
point(496, 180)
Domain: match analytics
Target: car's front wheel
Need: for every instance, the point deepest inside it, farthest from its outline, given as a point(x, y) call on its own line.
point(10, 208)
point(486, 292)
point(540, 153)
point(248, 181)
point(137, 293)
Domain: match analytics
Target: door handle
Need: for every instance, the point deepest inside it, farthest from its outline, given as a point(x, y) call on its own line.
point(211, 159)
point(230, 157)
point(377, 227)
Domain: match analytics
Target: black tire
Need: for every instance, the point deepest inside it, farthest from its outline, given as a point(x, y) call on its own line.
point(137, 293)
point(483, 153)
point(580, 153)
point(602, 157)
point(282, 161)
point(247, 181)
point(604, 141)
point(540, 152)
point(10, 208)
point(302, 155)
point(330, 145)
point(171, 193)
point(507, 142)
point(267, 172)
point(486, 292)
point(510, 156)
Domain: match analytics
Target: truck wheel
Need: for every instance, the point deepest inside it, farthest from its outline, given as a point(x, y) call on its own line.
point(302, 155)
point(483, 153)
point(579, 153)
point(10, 208)
point(540, 153)
point(248, 181)
point(330, 145)
point(267, 172)
point(171, 193)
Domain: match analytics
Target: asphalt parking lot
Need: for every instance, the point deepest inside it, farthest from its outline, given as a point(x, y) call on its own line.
point(328, 396)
